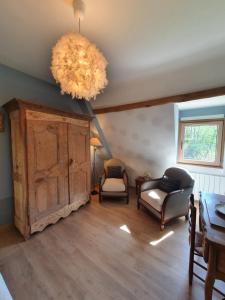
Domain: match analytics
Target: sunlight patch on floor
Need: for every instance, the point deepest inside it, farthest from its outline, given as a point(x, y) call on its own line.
point(155, 243)
point(125, 228)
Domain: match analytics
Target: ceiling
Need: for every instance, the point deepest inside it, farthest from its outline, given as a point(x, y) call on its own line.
point(154, 48)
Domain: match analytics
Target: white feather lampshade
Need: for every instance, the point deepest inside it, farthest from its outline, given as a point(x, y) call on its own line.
point(79, 67)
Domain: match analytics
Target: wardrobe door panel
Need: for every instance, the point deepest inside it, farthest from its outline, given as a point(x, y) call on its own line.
point(47, 155)
point(19, 173)
point(79, 163)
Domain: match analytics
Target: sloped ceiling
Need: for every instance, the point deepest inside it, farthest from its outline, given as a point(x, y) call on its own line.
point(154, 48)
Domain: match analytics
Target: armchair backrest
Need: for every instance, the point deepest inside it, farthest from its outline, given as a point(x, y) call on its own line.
point(113, 162)
point(184, 177)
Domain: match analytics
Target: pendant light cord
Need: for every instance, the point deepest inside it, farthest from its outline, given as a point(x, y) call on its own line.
point(78, 9)
point(79, 26)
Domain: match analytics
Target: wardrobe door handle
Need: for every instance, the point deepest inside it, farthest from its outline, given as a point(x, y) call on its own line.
point(71, 162)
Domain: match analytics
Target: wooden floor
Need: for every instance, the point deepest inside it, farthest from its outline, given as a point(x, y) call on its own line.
point(87, 256)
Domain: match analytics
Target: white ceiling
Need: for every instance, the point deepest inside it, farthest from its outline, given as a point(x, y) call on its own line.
point(154, 48)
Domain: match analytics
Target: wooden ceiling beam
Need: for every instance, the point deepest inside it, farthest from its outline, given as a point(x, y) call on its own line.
point(165, 100)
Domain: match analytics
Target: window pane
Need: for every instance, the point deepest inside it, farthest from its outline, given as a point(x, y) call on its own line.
point(200, 142)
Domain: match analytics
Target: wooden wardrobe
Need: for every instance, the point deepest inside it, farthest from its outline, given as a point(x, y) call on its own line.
point(50, 164)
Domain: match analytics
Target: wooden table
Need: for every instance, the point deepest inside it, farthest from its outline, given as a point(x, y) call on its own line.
point(214, 236)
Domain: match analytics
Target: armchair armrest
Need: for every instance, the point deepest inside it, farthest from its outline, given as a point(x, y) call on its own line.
point(176, 203)
point(149, 185)
point(125, 179)
point(177, 192)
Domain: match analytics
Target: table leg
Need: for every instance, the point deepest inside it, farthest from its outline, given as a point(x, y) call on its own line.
point(209, 282)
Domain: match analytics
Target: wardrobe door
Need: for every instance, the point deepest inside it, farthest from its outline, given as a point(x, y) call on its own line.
point(19, 173)
point(79, 163)
point(47, 156)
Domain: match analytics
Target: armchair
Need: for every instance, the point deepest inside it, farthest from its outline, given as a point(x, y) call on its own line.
point(114, 186)
point(167, 197)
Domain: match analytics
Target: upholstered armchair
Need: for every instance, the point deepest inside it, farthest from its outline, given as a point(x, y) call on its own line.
point(167, 197)
point(114, 182)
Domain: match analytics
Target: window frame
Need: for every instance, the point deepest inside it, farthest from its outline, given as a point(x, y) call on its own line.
point(218, 163)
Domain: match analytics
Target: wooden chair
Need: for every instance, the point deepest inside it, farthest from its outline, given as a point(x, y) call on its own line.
point(114, 187)
point(196, 242)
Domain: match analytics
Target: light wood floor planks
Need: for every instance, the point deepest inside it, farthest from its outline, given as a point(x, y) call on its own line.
point(88, 257)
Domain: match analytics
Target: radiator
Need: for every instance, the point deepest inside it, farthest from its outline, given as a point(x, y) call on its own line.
point(208, 183)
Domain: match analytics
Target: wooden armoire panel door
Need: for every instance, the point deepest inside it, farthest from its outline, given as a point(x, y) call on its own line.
point(47, 155)
point(79, 163)
point(19, 173)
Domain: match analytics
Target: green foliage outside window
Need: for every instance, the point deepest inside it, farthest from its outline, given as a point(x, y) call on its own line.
point(200, 142)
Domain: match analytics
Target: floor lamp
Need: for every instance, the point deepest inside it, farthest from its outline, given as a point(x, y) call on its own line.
point(95, 143)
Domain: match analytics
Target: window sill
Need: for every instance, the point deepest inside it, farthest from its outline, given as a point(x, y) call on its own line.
point(199, 165)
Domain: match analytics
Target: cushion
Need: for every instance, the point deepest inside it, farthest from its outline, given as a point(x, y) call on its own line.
point(198, 239)
point(199, 243)
point(114, 185)
point(155, 198)
point(168, 185)
point(184, 176)
point(114, 172)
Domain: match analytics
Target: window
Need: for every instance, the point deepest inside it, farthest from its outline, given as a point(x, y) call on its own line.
point(201, 142)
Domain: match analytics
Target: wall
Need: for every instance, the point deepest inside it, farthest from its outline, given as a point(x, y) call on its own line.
point(143, 138)
point(202, 112)
point(16, 84)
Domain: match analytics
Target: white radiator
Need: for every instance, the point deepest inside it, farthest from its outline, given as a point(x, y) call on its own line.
point(208, 183)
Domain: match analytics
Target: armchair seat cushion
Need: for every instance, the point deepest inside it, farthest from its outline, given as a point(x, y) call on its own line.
point(114, 185)
point(155, 198)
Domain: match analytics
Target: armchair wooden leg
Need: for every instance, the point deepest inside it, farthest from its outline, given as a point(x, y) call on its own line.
point(162, 226)
point(162, 222)
point(128, 199)
point(138, 204)
point(100, 197)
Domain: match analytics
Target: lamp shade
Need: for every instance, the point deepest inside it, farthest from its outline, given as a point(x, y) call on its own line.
point(79, 67)
point(95, 142)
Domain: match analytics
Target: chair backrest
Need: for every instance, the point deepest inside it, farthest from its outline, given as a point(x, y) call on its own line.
point(192, 222)
point(113, 162)
point(184, 177)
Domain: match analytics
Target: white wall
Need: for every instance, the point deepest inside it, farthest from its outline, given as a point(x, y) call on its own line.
point(143, 138)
